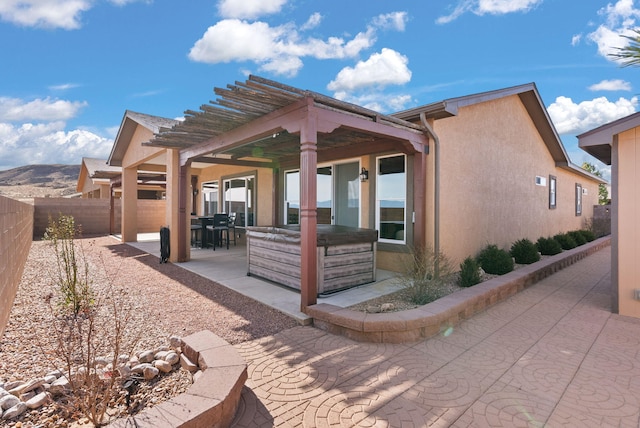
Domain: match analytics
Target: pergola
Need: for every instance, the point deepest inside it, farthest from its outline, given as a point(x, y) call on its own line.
point(265, 124)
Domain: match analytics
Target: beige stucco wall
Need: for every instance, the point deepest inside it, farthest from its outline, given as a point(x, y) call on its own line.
point(16, 225)
point(264, 184)
point(626, 231)
point(491, 154)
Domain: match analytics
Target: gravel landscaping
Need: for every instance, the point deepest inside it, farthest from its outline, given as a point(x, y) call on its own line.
point(163, 300)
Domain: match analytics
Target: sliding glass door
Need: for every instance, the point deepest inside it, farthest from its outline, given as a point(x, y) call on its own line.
point(238, 199)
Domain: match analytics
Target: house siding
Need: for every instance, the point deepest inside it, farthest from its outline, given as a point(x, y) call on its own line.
point(491, 154)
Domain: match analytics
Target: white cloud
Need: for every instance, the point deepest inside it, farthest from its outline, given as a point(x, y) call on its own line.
point(249, 9)
point(381, 69)
point(47, 109)
point(395, 21)
point(611, 85)
point(48, 143)
point(44, 13)
point(571, 118)
point(491, 7)
point(277, 49)
point(620, 20)
point(63, 86)
point(575, 40)
point(313, 21)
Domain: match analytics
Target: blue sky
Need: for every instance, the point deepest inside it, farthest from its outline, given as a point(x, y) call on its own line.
point(70, 68)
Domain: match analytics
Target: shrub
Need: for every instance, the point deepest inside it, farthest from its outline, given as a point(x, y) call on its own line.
point(566, 241)
point(72, 274)
point(495, 261)
point(578, 237)
point(525, 252)
point(588, 235)
point(548, 246)
point(422, 273)
point(469, 273)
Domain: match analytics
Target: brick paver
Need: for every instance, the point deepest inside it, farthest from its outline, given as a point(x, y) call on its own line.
point(552, 355)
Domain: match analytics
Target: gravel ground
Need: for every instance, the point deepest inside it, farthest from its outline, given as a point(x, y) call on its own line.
point(160, 300)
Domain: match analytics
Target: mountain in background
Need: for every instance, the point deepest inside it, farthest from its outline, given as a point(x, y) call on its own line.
point(33, 181)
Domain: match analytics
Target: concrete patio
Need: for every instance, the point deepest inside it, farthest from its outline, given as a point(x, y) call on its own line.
point(229, 268)
point(551, 355)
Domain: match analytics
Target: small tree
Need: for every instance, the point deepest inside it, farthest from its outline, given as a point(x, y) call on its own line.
point(422, 275)
point(603, 193)
point(72, 274)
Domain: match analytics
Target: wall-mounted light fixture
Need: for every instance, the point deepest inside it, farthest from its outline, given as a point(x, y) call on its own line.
point(364, 174)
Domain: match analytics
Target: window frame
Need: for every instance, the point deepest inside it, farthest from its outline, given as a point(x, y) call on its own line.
point(578, 199)
point(553, 192)
point(405, 200)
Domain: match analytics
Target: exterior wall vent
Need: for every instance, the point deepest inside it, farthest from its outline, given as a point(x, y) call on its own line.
point(541, 181)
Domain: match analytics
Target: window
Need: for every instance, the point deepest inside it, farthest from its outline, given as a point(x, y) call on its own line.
point(578, 199)
point(210, 197)
point(552, 192)
point(391, 198)
point(238, 199)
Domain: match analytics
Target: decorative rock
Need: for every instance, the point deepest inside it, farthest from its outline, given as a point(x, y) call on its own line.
point(134, 361)
point(146, 357)
point(161, 348)
point(27, 396)
point(8, 401)
point(162, 365)
point(150, 372)
point(160, 355)
point(15, 411)
point(172, 358)
point(100, 362)
point(139, 369)
point(123, 358)
point(50, 378)
point(37, 401)
point(386, 307)
point(60, 386)
point(3, 392)
point(29, 386)
point(187, 364)
point(175, 342)
point(373, 309)
point(124, 370)
point(56, 373)
point(14, 384)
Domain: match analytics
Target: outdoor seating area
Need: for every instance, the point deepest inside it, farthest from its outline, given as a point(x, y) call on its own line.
point(213, 231)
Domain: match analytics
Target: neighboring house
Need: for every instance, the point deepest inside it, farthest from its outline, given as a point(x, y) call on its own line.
point(94, 181)
point(455, 175)
point(618, 144)
point(142, 169)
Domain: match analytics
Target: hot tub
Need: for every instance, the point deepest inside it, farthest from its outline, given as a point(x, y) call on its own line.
point(346, 255)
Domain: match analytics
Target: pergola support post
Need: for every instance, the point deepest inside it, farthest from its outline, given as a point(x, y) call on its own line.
point(308, 213)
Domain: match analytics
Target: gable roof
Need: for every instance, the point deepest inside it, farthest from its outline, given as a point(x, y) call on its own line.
point(93, 168)
point(127, 128)
point(530, 98)
point(598, 141)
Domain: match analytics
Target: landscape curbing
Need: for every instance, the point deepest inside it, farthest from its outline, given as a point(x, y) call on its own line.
point(213, 398)
point(438, 316)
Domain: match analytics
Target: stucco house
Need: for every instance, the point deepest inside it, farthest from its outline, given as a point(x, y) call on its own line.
point(94, 180)
point(455, 175)
point(618, 144)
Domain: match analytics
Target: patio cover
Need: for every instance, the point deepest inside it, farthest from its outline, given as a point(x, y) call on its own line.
point(266, 124)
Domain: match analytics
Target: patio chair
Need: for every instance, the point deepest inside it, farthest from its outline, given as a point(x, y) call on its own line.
point(219, 229)
point(232, 226)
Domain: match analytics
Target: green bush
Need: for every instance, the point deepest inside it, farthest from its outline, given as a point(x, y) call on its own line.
point(548, 246)
point(578, 237)
point(525, 252)
point(495, 261)
point(566, 241)
point(469, 273)
point(588, 235)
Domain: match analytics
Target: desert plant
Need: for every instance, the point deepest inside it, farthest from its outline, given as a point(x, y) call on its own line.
point(588, 235)
point(422, 274)
point(524, 252)
point(72, 273)
point(578, 237)
point(469, 273)
point(565, 240)
point(495, 260)
point(548, 246)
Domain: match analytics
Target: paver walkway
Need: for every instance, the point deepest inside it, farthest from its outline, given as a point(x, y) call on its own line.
point(552, 355)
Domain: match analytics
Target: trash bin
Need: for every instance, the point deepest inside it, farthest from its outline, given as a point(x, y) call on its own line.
point(165, 249)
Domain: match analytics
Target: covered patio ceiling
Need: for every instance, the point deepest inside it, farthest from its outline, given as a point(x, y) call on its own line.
point(359, 131)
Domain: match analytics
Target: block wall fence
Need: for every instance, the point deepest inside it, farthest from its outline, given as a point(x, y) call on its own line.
point(16, 228)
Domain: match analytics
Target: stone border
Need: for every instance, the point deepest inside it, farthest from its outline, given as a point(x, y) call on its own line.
point(213, 398)
point(430, 319)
